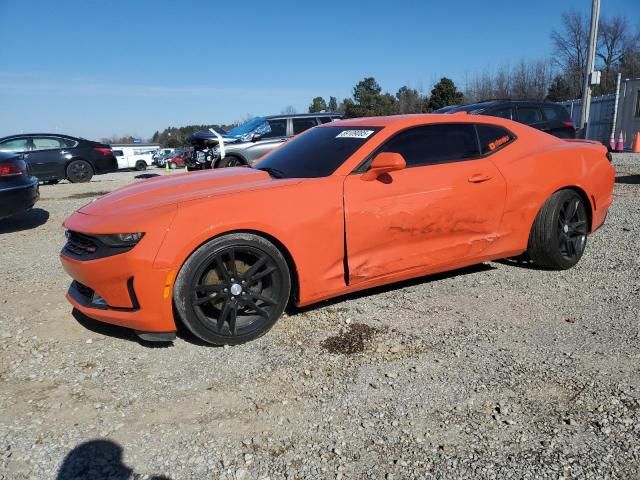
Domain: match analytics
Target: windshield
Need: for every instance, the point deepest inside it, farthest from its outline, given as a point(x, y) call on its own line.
point(317, 152)
point(255, 125)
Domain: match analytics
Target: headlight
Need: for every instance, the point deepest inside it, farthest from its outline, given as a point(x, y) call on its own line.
point(120, 239)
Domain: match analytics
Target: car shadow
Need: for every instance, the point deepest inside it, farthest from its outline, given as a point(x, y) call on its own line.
point(99, 459)
point(147, 175)
point(628, 179)
point(115, 331)
point(28, 220)
point(482, 267)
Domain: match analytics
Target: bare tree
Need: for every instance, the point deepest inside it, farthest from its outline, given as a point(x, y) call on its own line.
point(288, 110)
point(615, 40)
point(570, 49)
point(528, 79)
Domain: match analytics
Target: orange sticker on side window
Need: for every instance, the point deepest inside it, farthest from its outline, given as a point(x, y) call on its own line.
point(496, 143)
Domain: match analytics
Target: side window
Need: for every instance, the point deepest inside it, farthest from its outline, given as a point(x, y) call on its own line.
point(529, 115)
point(68, 143)
point(302, 124)
point(551, 113)
point(502, 113)
point(14, 145)
point(435, 144)
point(324, 119)
point(492, 137)
point(43, 143)
point(118, 153)
point(278, 128)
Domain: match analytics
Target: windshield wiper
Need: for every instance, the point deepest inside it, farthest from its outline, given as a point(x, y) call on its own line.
point(274, 172)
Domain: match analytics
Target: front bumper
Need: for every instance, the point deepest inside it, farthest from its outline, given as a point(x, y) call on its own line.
point(18, 198)
point(106, 164)
point(123, 291)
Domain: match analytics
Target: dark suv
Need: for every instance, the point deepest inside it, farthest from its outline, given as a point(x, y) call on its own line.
point(548, 117)
point(53, 157)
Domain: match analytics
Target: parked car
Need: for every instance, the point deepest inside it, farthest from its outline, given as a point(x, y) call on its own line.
point(179, 158)
point(342, 207)
point(248, 142)
point(161, 152)
point(134, 155)
point(53, 157)
point(18, 188)
point(548, 117)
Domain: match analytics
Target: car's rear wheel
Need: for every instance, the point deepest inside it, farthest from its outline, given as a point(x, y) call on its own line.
point(559, 234)
point(230, 161)
point(141, 165)
point(79, 171)
point(232, 289)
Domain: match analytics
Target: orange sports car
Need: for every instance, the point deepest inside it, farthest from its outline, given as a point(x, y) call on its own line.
point(342, 207)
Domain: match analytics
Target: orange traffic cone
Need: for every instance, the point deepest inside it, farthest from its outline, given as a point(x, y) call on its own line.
point(620, 144)
point(635, 148)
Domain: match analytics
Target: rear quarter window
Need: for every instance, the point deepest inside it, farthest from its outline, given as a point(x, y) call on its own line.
point(493, 138)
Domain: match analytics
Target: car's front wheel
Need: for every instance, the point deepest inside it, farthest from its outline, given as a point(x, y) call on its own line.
point(232, 289)
point(559, 234)
point(79, 171)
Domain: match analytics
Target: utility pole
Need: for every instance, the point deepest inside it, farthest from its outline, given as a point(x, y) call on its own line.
point(591, 57)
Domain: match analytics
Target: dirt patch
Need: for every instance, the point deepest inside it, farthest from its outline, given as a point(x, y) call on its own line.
point(354, 340)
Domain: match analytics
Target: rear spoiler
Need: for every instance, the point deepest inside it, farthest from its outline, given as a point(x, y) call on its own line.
point(583, 140)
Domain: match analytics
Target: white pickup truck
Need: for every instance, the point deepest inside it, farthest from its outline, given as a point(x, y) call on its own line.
point(138, 156)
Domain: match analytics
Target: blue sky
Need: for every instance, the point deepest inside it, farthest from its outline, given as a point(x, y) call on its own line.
point(98, 68)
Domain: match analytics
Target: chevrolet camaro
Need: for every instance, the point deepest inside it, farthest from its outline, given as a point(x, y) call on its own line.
point(342, 207)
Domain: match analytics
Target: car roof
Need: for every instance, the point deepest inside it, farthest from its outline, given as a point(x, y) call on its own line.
point(306, 115)
point(494, 102)
point(43, 135)
point(411, 120)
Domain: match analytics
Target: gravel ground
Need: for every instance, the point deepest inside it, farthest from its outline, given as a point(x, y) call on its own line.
point(496, 371)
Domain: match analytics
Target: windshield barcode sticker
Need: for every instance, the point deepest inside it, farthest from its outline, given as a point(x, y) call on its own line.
point(355, 134)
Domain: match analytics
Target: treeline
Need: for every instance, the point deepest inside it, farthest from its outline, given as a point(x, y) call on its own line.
point(562, 77)
point(369, 100)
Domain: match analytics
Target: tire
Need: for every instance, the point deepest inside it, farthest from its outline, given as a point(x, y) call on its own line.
point(559, 234)
point(230, 161)
point(232, 289)
point(141, 165)
point(172, 166)
point(79, 171)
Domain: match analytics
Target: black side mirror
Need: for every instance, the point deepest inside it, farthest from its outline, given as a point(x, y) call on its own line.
point(255, 137)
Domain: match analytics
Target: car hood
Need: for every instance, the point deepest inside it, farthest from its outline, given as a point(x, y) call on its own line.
point(181, 187)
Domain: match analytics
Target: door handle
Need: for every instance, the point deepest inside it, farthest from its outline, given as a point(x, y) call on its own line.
point(479, 178)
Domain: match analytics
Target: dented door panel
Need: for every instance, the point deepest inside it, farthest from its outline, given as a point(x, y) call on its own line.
point(421, 217)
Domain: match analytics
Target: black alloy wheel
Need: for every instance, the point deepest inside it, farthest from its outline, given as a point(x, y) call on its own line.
point(572, 228)
point(559, 233)
point(79, 171)
point(232, 289)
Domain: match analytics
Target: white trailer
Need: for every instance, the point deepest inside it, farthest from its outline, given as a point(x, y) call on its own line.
point(134, 155)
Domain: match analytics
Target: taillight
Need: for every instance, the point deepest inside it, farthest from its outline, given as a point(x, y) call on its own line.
point(10, 170)
point(104, 150)
point(568, 124)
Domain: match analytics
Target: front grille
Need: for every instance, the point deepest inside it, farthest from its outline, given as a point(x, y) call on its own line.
point(80, 245)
